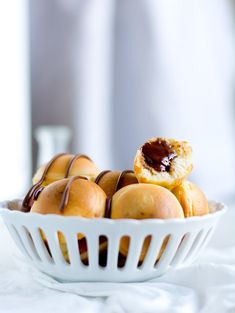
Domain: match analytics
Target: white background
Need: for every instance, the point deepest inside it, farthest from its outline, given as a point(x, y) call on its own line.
point(15, 164)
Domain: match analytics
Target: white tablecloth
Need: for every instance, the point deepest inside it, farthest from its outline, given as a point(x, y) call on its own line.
point(207, 286)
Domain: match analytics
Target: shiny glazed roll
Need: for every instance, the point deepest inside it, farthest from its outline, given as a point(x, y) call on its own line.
point(112, 181)
point(75, 196)
point(163, 161)
point(191, 198)
point(143, 201)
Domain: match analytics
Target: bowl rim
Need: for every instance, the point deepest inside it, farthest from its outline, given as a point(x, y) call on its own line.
point(221, 208)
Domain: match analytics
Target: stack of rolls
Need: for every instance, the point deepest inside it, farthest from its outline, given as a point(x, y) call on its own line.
point(157, 188)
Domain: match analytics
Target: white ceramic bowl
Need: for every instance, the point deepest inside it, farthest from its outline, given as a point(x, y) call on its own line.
point(187, 238)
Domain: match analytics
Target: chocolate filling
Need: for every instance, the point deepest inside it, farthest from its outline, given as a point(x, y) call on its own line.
point(158, 154)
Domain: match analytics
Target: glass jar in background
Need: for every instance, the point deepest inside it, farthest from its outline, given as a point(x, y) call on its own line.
point(51, 140)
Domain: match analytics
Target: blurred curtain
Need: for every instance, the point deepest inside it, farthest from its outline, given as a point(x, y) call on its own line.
point(144, 68)
point(158, 68)
point(15, 160)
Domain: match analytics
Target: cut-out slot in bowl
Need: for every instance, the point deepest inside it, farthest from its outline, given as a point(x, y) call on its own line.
point(29, 243)
point(79, 249)
point(63, 246)
point(183, 248)
point(152, 250)
point(41, 245)
point(123, 251)
point(83, 249)
point(144, 250)
point(103, 250)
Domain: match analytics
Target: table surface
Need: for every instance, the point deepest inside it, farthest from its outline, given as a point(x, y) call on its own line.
point(19, 292)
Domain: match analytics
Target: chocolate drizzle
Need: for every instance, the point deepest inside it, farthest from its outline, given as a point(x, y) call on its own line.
point(108, 204)
point(65, 196)
point(158, 154)
point(30, 197)
point(116, 188)
point(107, 213)
point(71, 162)
point(101, 174)
point(119, 180)
point(36, 189)
point(37, 193)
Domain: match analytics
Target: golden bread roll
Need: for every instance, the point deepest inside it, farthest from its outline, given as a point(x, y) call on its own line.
point(163, 161)
point(112, 181)
point(192, 199)
point(60, 166)
point(66, 165)
point(71, 197)
point(84, 198)
point(142, 201)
